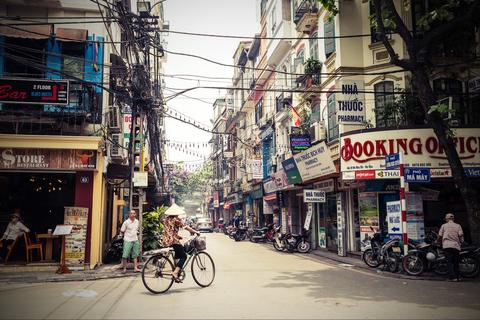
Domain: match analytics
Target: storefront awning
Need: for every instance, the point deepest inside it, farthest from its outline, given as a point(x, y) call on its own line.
point(67, 34)
point(270, 197)
point(26, 32)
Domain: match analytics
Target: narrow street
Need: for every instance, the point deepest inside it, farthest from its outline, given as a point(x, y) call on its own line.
point(252, 281)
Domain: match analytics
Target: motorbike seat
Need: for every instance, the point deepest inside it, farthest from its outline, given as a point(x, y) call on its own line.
point(469, 248)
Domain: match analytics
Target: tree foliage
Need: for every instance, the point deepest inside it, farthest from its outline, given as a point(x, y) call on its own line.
point(152, 228)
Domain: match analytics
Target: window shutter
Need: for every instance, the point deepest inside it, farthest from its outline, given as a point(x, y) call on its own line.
point(329, 31)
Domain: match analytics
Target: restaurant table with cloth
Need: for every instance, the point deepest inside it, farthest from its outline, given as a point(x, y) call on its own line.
point(48, 237)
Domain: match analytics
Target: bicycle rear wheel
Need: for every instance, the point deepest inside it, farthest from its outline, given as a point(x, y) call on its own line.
point(203, 269)
point(157, 274)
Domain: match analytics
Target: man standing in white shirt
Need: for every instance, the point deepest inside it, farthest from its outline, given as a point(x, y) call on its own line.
point(451, 235)
point(131, 246)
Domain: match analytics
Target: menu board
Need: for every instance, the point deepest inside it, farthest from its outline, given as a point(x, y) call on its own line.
point(369, 220)
point(75, 242)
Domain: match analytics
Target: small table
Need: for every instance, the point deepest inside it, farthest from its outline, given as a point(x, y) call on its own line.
point(48, 244)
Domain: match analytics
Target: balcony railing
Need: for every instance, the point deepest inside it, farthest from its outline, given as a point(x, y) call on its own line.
point(302, 7)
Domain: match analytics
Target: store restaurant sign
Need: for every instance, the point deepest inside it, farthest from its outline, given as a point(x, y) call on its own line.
point(54, 92)
point(420, 148)
point(48, 159)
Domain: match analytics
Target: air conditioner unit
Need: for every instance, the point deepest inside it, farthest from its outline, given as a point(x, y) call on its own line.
point(317, 132)
point(116, 143)
point(114, 120)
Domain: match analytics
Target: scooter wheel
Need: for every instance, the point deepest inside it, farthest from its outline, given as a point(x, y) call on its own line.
point(369, 259)
point(303, 247)
point(277, 246)
point(413, 264)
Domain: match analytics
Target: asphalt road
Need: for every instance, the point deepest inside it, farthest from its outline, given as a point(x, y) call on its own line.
point(252, 281)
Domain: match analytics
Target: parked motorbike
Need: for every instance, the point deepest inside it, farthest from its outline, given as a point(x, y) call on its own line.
point(279, 240)
point(262, 234)
point(114, 252)
point(430, 256)
point(240, 233)
point(298, 242)
point(378, 253)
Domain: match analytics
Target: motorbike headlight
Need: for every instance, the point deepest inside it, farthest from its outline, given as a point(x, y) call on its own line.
point(431, 256)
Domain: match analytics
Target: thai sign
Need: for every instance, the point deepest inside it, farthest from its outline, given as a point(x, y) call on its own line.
point(350, 103)
point(75, 242)
point(315, 162)
point(47, 159)
point(420, 148)
point(33, 91)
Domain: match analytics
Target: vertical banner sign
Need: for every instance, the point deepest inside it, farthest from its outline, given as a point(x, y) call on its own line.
point(257, 169)
point(340, 226)
point(394, 219)
point(308, 218)
point(284, 220)
point(322, 237)
point(75, 242)
point(216, 203)
point(350, 104)
point(367, 202)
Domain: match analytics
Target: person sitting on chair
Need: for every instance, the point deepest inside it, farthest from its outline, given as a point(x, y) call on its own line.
point(14, 229)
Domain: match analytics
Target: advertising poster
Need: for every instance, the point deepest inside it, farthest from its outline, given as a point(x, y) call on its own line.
point(367, 202)
point(75, 242)
point(290, 167)
point(322, 237)
point(415, 216)
point(394, 218)
point(315, 162)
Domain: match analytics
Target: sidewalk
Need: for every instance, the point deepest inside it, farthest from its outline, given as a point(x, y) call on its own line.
point(103, 272)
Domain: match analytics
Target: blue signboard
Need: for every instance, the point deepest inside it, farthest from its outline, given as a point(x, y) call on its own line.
point(392, 161)
point(472, 172)
point(419, 175)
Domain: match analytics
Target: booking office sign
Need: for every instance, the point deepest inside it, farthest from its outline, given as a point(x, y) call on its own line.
point(350, 103)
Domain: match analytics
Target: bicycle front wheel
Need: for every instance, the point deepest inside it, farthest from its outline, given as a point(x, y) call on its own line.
point(157, 274)
point(203, 269)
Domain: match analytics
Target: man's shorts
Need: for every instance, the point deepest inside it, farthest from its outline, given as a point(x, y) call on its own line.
point(130, 246)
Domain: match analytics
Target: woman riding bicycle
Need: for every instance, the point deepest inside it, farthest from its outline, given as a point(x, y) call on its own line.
point(172, 223)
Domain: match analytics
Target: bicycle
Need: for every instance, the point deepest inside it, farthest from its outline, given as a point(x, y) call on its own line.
point(157, 271)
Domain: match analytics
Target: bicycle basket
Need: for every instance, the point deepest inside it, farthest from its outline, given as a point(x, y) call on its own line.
point(189, 246)
point(200, 243)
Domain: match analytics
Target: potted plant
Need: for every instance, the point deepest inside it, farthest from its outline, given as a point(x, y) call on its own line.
point(312, 69)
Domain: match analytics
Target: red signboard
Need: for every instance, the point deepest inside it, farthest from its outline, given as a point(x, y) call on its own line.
point(48, 159)
point(34, 91)
point(365, 175)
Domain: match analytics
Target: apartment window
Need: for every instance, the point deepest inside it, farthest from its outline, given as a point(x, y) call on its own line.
point(258, 111)
point(385, 116)
point(298, 67)
point(315, 116)
point(314, 46)
point(273, 19)
point(332, 118)
point(329, 33)
point(285, 76)
point(374, 32)
point(73, 59)
point(444, 88)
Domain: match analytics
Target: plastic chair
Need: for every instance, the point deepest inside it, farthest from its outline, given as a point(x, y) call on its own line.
point(30, 246)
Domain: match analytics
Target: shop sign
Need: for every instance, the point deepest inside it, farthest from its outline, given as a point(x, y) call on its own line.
point(216, 202)
point(350, 103)
point(392, 161)
point(341, 237)
point(308, 218)
point(235, 198)
point(33, 91)
point(420, 148)
point(315, 162)
point(281, 179)
point(474, 85)
point(415, 216)
point(257, 192)
point(394, 217)
point(299, 142)
point(364, 175)
point(322, 237)
point(140, 179)
point(228, 154)
point(270, 186)
point(75, 243)
point(387, 174)
point(326, 185)
point(314, 196)
point(430, 194)
point(48, 159)
point(418, 175)
point(267, 208)
point(291, 170)
point(256, 167)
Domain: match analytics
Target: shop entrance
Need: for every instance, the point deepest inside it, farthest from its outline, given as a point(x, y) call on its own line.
point(327, 223)
point(40, 197)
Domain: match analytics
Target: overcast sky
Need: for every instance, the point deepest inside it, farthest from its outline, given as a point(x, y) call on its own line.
point(232, 17)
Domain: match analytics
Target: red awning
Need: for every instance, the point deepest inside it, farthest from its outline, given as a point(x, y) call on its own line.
point(270, 197)
point(67, 34)
point(226, 205)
